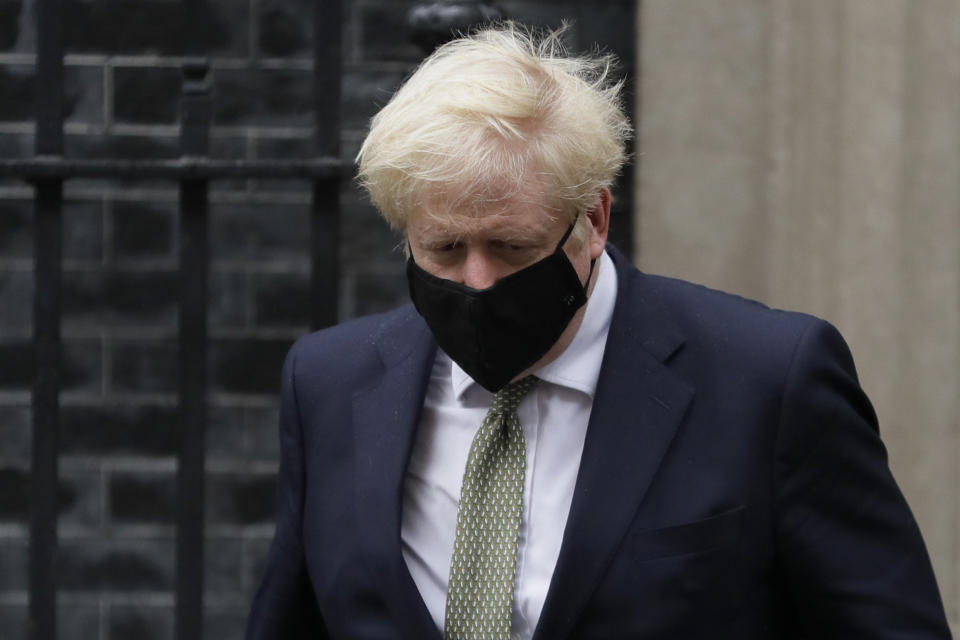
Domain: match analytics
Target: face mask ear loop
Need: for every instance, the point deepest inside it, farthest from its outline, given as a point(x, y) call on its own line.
point(586, 285)
point(566, 235)
point(563, 241)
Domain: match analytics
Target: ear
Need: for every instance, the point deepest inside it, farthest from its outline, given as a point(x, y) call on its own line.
point(599, 218)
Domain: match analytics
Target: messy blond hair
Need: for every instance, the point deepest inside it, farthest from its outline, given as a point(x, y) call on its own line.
point(488, 113)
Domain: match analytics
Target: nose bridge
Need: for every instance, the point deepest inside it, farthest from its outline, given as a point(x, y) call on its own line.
point(479, 272)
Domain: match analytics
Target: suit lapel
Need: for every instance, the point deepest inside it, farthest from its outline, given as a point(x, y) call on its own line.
point(638, 405)
point(385, 419)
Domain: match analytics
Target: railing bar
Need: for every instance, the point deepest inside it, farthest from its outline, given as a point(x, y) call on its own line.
point(46, 409)
point(325, 253)
point(49, 133)
point(48, 216)
point(192, 396)
point(327, 77)
point(174, 169)
point(192, 358)
point(325, 218)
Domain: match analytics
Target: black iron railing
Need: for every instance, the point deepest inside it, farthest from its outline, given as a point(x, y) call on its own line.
point(194, 170)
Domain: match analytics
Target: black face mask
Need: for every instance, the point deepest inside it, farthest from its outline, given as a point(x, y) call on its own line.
point(496, 333)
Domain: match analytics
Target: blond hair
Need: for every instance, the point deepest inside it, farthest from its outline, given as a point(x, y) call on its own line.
point(488, 113)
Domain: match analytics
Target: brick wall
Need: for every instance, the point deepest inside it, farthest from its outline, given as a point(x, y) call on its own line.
point(118, 438)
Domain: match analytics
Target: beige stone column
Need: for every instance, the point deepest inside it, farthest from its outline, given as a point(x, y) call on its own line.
point(807, 153)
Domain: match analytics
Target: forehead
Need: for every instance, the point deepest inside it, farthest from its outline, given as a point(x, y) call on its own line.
point(523, 210)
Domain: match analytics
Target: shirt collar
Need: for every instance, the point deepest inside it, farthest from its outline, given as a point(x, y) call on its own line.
point(578, 367)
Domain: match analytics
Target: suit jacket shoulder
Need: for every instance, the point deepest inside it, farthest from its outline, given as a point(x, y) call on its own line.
point(682, 321)
point(346, 357)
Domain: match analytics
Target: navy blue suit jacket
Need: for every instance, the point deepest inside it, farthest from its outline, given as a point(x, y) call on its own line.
point(732, 485)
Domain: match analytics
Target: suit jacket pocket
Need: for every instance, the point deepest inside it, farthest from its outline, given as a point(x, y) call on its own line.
point(721, 530)
point(680, 581)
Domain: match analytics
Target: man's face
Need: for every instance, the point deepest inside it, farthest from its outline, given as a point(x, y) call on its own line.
point(477, 249)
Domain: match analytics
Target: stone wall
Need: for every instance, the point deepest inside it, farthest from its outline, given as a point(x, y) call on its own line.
point(119, 431)
point(807, 153)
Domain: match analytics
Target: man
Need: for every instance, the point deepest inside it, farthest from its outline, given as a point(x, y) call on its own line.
point(551, 444)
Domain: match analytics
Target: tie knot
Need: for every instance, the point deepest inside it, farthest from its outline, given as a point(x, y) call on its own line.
point(508, 399)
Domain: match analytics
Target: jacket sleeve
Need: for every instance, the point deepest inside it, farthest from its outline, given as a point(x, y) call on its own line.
point(854, 562)
point(284, 607)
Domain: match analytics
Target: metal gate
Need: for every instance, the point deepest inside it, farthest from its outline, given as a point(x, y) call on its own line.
point(193, 171)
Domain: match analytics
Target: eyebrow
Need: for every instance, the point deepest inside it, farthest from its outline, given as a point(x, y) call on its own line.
point(438, 236)
point(524, 236)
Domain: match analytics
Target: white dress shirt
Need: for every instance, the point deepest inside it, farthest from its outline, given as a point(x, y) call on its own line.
point(554, 417)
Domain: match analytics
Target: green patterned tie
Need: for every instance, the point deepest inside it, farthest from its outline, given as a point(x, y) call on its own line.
point(482, 572)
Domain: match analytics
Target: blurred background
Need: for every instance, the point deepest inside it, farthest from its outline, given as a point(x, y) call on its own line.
point(805, 153)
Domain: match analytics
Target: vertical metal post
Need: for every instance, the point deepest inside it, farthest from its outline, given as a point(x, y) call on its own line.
point(618, 36)
point(194, 140)
point(325, 214)
point(48, 213)
point(48, 204)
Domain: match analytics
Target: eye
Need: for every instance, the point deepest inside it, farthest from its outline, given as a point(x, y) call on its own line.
point(509, 246)
point(442, 251)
